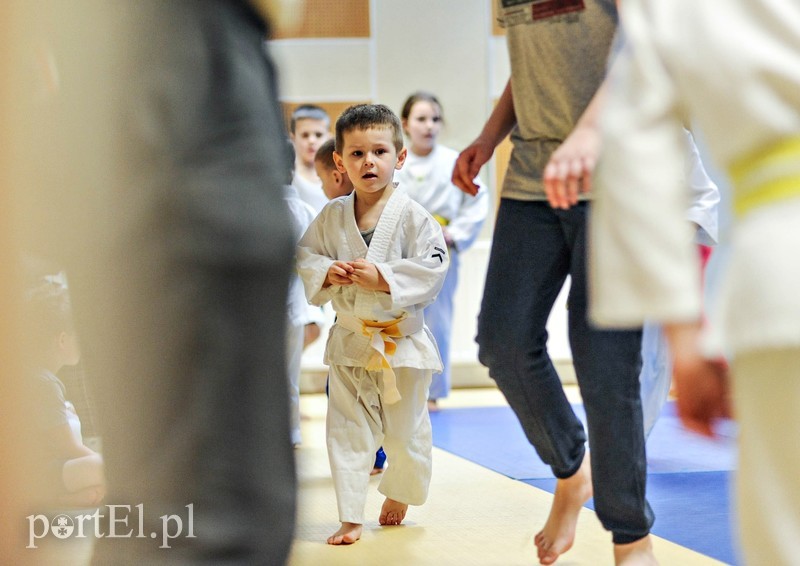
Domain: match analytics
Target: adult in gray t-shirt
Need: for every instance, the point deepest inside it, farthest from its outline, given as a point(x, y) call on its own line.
point(558, 51)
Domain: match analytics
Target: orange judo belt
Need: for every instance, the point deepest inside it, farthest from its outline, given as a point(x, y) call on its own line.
point(381, 336)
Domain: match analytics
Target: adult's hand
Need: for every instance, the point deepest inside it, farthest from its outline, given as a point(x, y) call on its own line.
point(469, 164)
point(702, 385)
point(571, 166)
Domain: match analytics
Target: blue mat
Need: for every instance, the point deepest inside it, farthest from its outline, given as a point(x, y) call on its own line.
point(688, 475)
point(493, 438)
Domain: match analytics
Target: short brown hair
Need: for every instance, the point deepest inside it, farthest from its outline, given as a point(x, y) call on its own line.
point(366, 116)
point(324, 155)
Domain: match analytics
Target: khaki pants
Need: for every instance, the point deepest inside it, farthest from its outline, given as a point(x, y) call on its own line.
point(767, 405)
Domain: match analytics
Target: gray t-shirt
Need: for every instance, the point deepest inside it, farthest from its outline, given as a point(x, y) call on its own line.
point(558, 51)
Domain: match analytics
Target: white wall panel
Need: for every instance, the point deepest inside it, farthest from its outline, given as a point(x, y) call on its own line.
point(313, 70)
point(440, 46)
point(499, 65)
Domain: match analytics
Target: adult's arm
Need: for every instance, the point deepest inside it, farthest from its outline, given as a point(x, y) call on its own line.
point(497, 127)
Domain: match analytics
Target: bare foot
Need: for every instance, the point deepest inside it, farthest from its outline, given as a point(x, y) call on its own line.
point(558, 533)
point(639, 553)
point(376, 471)
point(433, 406)
point(393, 512)
point(348, 533)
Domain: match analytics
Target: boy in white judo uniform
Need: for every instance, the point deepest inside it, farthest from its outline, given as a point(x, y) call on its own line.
point(734, 68)
point(380, 258)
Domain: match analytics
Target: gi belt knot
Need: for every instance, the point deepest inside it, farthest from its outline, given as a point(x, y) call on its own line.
point(381, 336)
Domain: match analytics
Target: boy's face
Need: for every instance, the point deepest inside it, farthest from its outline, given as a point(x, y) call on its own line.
point(369, 158)
point(334, 182)
point(308, 135)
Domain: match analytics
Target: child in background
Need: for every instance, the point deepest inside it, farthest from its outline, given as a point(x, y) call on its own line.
point(426, 176)
point(72, 473)
point(309, 128)
point(381, 259)
point(336, 184)
point(300, 315)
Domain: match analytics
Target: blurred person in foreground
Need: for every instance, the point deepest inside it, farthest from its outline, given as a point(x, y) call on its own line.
point(746, 101)
point(558, 53)
point(178, 256)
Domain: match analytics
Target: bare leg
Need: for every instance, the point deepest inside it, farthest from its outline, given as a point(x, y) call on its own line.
point(348, 533)
point(558, 533)
point(392, 512)
point(639, 553)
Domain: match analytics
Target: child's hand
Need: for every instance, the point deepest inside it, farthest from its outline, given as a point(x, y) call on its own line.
point(339, 274)
point(367, 276)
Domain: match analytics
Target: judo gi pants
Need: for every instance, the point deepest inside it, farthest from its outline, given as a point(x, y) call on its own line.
point(358, 423)
point(534, 249)
point(766, 388)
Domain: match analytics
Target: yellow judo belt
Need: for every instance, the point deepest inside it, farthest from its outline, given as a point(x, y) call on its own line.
point(769, 175)
point(441, 220)
point(381, 334)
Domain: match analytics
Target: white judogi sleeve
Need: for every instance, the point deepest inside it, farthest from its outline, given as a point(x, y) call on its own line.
point(640, 128)
point(704, 210)
point(417, 276)
point(315, 257)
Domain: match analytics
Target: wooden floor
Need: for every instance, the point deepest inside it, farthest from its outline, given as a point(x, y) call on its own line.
point(473, 516)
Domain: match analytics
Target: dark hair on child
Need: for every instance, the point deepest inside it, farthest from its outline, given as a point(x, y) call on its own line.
point(309, 112)
point(365, 116)
point(418, 96)
point(324, 155)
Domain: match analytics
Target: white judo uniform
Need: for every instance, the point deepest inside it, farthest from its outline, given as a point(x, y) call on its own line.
point(734, 68)
point(311, 193)
point(381, 354)
point(299, 312)
point(428, 181)
point(656, 375)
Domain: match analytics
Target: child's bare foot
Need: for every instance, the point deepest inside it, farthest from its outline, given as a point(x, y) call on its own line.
point(433, 406)
point(558, 533)
point(376, 471)
point(348, 533)
point(639, 553)
point(393, 512)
